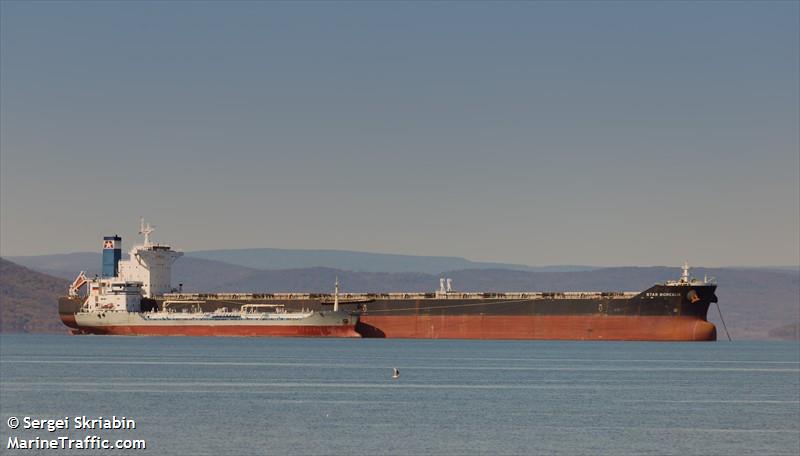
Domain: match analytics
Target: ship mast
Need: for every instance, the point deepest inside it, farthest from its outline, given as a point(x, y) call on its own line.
point(685, 273)
point(336, 295)
point(145, 230)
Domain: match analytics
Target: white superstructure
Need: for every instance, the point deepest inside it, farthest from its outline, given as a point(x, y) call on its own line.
point(113, 295)
point(147, 273)
point(150, 264)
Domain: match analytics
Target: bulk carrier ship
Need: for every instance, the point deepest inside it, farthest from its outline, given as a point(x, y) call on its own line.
point(135, 297)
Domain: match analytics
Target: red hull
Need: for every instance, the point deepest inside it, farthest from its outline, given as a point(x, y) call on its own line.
point(538, 327)
point(226, 330)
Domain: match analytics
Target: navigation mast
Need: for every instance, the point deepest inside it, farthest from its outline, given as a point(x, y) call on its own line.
point(145, 230)
point(336, 295)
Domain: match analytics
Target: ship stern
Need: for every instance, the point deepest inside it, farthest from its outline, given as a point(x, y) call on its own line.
point(68, 306)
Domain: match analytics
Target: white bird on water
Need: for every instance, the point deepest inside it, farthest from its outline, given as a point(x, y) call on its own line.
point(395, 372)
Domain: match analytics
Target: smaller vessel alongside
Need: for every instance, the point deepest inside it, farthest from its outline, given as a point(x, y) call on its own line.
point(120, 303)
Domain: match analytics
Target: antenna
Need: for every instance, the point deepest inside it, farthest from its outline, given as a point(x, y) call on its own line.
point(145, 230)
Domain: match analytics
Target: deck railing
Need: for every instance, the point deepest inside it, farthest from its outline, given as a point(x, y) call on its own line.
point(345, 297)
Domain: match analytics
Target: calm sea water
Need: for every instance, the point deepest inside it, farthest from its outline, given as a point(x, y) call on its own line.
point(254, 396)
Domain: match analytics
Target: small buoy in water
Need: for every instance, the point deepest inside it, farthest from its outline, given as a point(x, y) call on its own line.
point(395, 372)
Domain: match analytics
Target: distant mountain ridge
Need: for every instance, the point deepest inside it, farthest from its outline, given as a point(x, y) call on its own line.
point(270, 258)
point(29, 300)
point(69, 264)
point(64, 265)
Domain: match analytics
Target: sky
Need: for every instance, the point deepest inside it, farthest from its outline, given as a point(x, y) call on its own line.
point(597, 133)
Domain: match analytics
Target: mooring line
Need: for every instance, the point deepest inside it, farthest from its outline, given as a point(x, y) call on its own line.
point(723, 322)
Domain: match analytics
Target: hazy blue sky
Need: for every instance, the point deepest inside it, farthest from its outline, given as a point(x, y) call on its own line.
point(538, 133)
